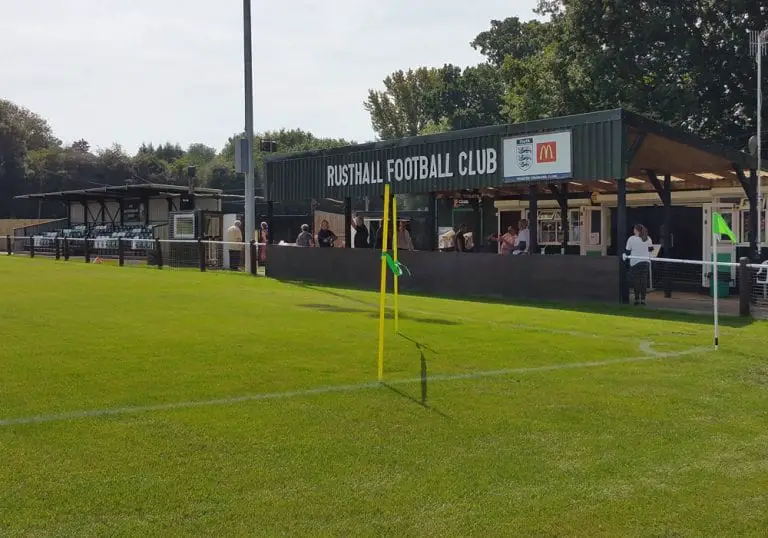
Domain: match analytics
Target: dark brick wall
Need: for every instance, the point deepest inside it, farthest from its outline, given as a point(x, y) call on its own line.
point(531, 278)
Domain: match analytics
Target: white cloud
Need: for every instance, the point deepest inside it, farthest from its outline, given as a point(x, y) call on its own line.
point(111, 70)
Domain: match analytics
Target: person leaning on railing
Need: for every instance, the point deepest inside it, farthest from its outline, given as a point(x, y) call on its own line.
point(639, 248)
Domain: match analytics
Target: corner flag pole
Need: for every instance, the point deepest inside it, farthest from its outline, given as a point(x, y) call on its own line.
point(383, 287)
point(394, 251)
point(719, 228)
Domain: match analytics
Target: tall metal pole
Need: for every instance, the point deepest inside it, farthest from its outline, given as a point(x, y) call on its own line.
point(758, 44)
point(250, 190)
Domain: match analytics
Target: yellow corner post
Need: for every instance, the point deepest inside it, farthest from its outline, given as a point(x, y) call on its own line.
point(395, 230)
point(383, 291)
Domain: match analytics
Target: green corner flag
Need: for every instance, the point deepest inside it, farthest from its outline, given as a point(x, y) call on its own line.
point(720, 227)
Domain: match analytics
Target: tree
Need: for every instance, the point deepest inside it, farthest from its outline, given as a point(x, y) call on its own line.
point(21, 131)
point(513, 38)
point(199, 154)
point(34, 131)
point(407, 103)
point(81, 145)
point(686, 64)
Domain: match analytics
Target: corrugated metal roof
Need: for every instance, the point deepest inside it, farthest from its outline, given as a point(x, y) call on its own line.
point(466, 159)
point(120, 191)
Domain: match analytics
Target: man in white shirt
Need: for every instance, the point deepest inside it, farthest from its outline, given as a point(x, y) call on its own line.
point(639, 248)
point(234, 236)
point(523, 239)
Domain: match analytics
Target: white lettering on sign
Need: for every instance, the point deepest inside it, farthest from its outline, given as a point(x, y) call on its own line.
point(417, 168)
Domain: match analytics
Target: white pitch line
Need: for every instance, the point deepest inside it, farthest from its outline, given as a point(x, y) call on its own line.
point(74, 415)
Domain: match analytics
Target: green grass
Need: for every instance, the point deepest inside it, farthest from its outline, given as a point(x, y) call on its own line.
point(666, 446)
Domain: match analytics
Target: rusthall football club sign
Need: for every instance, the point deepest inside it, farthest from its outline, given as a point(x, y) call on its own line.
point(541, 157)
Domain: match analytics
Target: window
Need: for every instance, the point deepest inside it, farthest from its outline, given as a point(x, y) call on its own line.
point(184, 226)
point(551, 230)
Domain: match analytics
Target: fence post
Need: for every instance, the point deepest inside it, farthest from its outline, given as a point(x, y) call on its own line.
point(31, 247)
point(201, 254)
point(745, 287)
point(254, 259)
point(9, 245)
point(66, 249)
point(58, 250)
point(120, 251)
point(158, 254)
point(86, 250)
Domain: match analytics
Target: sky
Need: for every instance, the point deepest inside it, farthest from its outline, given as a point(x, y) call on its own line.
point(133, 71)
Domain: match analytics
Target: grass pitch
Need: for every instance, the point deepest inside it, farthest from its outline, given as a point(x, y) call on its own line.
point(146, 402)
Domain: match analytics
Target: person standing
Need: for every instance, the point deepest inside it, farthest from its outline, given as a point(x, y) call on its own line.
point(234, 245)
point(461, 241)
point(263, 241)
point(639, 248)
point(305, 238)
point(325, 237)
point(361, 233)
point(404, 241)
point(523, 240)
point(507, 241)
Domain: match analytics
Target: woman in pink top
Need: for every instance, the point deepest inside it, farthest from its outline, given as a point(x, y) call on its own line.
point(507, 241)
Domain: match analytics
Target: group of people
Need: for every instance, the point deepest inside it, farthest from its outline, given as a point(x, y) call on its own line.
point(325, 237)
point(516, 241)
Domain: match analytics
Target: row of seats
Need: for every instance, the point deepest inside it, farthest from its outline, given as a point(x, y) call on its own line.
point(104, 236)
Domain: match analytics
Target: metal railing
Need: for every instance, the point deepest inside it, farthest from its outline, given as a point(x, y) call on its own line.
point(201, 255)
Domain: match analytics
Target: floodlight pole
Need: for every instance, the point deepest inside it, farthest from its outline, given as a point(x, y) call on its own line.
point(250, 194)
point(758, 43)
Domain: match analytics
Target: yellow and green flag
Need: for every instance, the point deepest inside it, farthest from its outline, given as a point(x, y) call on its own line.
point(720, 227)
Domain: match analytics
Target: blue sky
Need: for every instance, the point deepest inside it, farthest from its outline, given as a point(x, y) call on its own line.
point(129, 71)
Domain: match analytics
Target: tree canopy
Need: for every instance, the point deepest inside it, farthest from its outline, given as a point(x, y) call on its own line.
point(686, 64)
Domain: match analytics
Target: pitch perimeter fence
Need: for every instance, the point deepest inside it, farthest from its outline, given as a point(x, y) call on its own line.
point(691, 285)
point(200, 255)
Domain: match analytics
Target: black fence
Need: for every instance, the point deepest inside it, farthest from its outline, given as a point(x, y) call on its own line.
point(160, 253)
point(525, 278)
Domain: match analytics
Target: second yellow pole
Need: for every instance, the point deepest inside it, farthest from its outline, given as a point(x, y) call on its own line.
point(383, 290)
point(395, 230)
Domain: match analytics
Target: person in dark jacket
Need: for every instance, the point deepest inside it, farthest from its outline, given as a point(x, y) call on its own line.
point(361, 233)
point(325, 237)
point(461, 241)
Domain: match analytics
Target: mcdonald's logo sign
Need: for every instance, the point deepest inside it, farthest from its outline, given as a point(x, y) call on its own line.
point(546, 152)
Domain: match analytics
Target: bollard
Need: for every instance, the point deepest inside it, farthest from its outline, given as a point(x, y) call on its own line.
point(31, 247)
point(120, 252)
point(254, 259)
point(58, 251)
point(745, 287)
point(66, 249)
point(158, 254)
point(201, 254)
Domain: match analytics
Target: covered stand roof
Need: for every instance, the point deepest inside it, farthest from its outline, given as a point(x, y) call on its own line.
point(588, 151)
point(118, 192)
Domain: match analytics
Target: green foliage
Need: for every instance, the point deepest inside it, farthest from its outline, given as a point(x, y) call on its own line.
point(685, 64)
point(407, 103)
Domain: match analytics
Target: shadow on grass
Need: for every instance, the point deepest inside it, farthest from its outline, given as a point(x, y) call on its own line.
point(368, 310)
point(424, 402)
point(649, 312)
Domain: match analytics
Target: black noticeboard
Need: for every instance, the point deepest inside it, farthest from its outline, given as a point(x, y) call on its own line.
point(133, 211)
